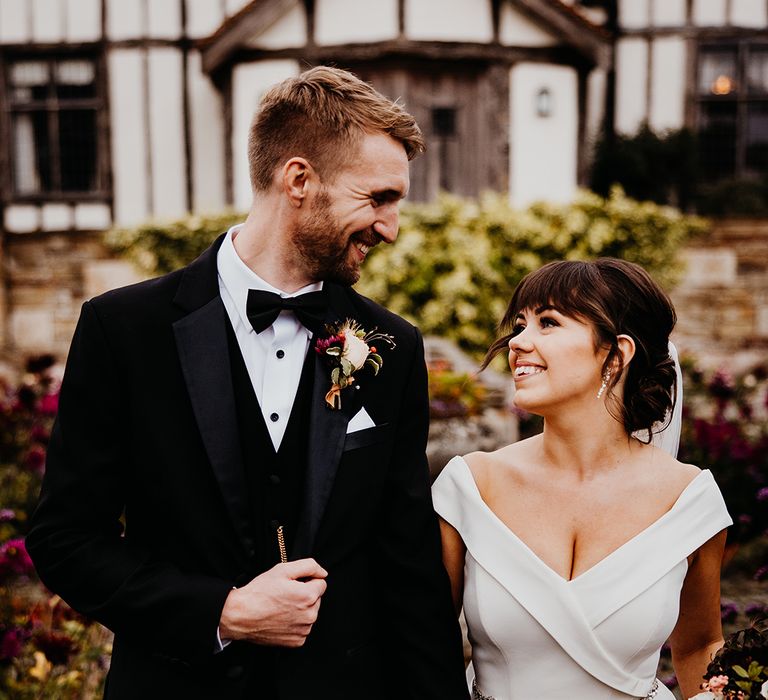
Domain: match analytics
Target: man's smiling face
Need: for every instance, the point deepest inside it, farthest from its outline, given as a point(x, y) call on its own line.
point(354, 212)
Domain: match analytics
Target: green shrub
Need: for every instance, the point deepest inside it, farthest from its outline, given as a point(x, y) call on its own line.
point(158, 247)
point(456, 261)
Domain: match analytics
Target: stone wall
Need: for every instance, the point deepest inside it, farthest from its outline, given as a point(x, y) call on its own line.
point(47, 276)
point(722, 301)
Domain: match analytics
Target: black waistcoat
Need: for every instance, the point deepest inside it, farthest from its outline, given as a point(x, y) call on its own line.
point(275, 478)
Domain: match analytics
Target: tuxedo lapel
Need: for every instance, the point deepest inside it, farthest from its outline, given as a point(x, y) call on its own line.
point(327, 432)
point(201, 340)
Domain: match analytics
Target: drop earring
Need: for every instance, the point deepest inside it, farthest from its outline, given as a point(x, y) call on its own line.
point(604, 385)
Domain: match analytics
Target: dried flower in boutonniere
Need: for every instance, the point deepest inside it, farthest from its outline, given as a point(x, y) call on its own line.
point(348, 349)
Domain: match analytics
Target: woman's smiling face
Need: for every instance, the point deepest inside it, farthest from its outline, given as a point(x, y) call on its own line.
point(554, 360)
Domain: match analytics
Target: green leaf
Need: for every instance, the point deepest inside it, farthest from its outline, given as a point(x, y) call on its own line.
point(335, 375)
point(370, 363)
point(746, 686)
point(740, 671)
point(346, 367)
point(376, 358)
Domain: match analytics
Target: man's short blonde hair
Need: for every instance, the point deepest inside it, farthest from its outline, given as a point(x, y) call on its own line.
point(321, 115)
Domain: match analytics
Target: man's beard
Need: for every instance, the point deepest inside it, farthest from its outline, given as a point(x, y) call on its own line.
point(323, 247)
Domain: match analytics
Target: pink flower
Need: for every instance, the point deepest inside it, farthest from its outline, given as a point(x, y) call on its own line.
point(14, 559)
point(717, 683)
point(49, 404)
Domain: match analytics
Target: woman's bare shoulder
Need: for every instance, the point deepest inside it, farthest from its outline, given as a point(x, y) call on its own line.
point(508, 461)
point(669, 473)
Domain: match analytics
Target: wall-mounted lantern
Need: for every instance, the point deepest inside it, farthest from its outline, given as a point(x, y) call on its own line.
point(544, 103)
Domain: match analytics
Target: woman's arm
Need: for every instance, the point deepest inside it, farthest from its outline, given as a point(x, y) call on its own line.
point(698, 633)
point(453, 560)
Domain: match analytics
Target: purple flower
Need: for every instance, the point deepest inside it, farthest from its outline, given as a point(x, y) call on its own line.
point(7, 515)
point(11, 643)
point(670, 681)
point(728, 611)
point(35, 459)
point(762, 573)
point(762, 494)
point(722, 385)
point(755, 609)
point(14, 560)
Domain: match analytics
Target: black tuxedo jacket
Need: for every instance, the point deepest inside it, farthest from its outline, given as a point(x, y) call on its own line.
point(143, 521)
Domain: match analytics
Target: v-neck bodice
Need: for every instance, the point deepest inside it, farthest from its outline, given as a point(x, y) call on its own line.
point(536, 634)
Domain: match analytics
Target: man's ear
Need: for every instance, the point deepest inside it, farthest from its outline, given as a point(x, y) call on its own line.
point(626, 349)
point(296, 177)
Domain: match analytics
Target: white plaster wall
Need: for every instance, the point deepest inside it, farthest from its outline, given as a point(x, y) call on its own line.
point(129, 143)
point(92, 217)
point(288, 31)
point(455, 20)
point(709, 13)
point(83, 20)
point(47, 21)
point(516, 29)
point(596, 83)
point(203, 17)
point(249, 82)
point(353, 21)
point(634, 14)
point(749, 13)
point(668, 13)
point(631, 93)
point(668, 83)
point(56, 217)
point(126, 20)
point(543, 149)
point(22, 218)
point(166, 132)
point(233, 6)
point(14, 21)
point(208, 142)
point(164, 19)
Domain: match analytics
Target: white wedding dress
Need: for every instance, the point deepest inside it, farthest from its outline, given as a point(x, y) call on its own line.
point(536, 635)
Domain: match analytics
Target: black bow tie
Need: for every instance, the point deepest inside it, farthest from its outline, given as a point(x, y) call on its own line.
point(264, 307)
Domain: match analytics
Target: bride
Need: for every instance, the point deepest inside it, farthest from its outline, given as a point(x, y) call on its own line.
point(578, 552)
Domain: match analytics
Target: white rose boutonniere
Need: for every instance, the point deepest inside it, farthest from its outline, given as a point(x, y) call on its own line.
point(348, 349)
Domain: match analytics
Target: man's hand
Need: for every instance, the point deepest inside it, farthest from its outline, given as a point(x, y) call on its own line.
point(277, 608)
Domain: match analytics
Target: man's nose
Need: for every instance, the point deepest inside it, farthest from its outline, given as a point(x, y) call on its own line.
point(387, 222)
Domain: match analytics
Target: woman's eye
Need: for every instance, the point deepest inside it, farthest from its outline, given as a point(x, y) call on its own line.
point(547, 322)
point(517, 329)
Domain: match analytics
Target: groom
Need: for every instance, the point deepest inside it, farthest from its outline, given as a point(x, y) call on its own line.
point(202, 438)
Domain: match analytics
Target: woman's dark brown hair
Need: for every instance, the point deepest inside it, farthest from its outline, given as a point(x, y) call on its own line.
point(617, 298)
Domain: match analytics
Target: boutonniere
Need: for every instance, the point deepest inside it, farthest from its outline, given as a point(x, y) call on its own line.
point(348, 348)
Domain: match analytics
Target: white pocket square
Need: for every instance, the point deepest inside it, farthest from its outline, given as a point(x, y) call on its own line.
point(360, 421)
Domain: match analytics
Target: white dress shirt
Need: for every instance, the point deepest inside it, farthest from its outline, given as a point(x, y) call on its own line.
point(274, 358)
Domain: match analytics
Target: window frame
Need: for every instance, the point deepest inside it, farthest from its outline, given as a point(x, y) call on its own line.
point(99, 103)
point(742, 97)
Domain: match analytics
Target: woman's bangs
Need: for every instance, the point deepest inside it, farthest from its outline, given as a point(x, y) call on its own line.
point(558, 285)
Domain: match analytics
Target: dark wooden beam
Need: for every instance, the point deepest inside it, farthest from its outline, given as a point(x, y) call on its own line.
point(248, 23)
point(590, 40)
point(423, 50)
